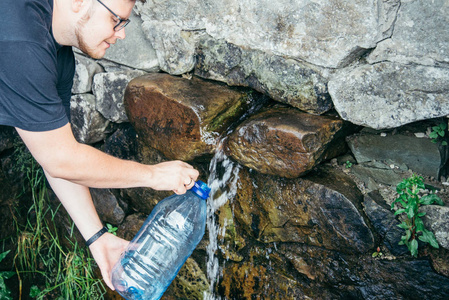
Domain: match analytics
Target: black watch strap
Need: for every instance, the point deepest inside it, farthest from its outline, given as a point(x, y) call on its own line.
point(96, 236)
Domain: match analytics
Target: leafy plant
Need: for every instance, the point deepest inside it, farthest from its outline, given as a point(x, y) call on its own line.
point(111, 229)
point(67, 271)
point(438, 132)
point(348, 164)
point(409, 202)
point(5, 293)
point(377, 253)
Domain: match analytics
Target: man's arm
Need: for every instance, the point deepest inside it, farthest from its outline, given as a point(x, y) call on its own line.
point(78, 203)
point(71, 167)
point(61, 156)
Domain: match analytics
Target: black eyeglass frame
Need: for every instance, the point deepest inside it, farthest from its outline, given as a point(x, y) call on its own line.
point(122, 22)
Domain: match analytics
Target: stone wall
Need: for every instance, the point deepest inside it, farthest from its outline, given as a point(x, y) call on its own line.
point(299, 90)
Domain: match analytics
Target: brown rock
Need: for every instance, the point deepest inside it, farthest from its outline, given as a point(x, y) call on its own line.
point(308, 211)
point(182, 118)
point(284, 141)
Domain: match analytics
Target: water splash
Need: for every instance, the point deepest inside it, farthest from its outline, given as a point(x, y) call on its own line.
point(223, 183)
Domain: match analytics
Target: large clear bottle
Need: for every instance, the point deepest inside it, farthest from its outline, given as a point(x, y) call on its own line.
point(160, 248)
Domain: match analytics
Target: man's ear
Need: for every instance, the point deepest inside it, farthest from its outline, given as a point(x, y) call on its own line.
point(78, 5)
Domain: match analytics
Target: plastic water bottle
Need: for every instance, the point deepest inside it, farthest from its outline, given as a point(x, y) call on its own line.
point(160, 248)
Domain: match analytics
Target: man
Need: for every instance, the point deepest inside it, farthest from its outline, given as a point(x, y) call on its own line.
point(36, 73)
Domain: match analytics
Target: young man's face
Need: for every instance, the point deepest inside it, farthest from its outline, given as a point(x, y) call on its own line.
point(95, 32)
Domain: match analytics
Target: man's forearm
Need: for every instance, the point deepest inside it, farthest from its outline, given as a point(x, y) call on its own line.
point(77, 201)
point(63, 157)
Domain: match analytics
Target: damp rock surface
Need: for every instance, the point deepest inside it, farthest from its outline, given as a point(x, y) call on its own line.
point(182, 118)
point(285, 142)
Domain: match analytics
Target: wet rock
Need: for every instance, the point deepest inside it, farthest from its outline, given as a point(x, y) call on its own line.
point(109, 89)
point(190, 283)
point(437, 221)
point(85, 69)
point(107, 205)
point(183, 118)
point(284, 141)
point(231, 241)
point(253, 281)
point(323, 209)
point(388, 95)
point(384, 222)
point(88, 125)
point(374, 279)
point(418, 154)
point(284, 80)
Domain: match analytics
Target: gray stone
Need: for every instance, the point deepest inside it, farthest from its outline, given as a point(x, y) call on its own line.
point(437, 221)
point(85, 70)
point(421, 35)
point(327, 33)
point(420, 155)
point(135, 50)
point(388, 95)
point(284, 80)
point(379, 175)
point(109, 89)
point(175, 53)
point(88, 124)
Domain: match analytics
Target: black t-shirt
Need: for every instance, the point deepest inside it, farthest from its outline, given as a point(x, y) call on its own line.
point(36, 73)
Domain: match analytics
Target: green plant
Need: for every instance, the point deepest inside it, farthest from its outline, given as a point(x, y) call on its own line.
point(5, 293)
point(348, 164)
point(438, 132)
point(377, 253)
point(409, 202)
point(62, 272)
point(111, 229)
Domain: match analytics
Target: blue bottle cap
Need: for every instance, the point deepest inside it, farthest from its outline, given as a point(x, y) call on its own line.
point(201, 189)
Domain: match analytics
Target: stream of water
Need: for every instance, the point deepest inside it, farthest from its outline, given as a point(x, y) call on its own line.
point(223, 178)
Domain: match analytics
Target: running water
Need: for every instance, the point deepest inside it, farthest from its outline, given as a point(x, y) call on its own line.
point(223, 183)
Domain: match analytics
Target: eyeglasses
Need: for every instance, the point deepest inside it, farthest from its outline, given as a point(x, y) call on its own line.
point(121, 23)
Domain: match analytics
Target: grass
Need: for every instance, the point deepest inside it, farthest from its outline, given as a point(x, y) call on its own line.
point(53, 271)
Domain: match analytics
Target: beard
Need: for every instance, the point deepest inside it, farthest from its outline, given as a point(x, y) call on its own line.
point(80, 32)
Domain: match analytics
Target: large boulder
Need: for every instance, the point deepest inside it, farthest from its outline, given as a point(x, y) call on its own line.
point(283, 79)
point(327, 33)
point(388, 95)
point(323, 209)
point(183, 118)
point(285, 142)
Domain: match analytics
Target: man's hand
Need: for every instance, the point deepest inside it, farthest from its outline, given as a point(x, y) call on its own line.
point(106, 252)
point(176, 176)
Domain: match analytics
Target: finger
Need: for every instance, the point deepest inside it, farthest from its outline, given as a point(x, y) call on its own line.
point(189, 182)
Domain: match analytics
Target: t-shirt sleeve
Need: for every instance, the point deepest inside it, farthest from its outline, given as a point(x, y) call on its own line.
point(29, 97)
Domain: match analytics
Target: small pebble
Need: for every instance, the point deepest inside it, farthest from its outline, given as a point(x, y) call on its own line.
point(420, 134)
